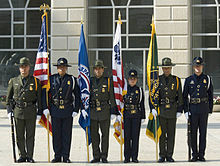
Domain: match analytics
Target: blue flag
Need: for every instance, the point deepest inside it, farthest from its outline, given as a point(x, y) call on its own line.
point(84, 83)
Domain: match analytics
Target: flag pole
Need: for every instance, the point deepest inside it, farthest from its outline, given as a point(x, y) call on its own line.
point(121, 141)
point(44, 7)
point(87, 143)
point(156, 138)
point(87, 135)
point(48, 138)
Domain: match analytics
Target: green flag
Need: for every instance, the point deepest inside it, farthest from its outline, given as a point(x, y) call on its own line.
point(153, 127)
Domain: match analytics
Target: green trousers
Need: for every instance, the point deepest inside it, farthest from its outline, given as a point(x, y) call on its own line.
point(25, 133)
point(95, 137)
point(167, 138)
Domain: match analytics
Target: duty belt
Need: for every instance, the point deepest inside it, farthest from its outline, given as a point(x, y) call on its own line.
point(23, 104)
point(132, 108)
point(60, 103)
point(166, 101)
point(98, 104)
point(198, 100)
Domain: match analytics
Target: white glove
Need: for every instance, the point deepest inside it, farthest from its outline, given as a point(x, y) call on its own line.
point(9, 115)
point(46, 112)
point(113, 117)
point(210, 114)
point(119, 118)
point(178, 114)
point(154, 112)
point(38, 117)
point(142, 120)
point(84, 113)
point(187, 115)
point(74, 114)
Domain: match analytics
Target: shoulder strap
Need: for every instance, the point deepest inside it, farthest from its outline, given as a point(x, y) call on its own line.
point(140, 94)
point(35, 80)
point(177, 83)
point(209, 80)
point(108, 84)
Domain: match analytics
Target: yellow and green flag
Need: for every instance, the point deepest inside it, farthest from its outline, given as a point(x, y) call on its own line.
point(153, 127)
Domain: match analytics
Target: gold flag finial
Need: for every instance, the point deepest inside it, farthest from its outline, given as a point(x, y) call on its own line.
point(119, 17)
point(81, 20)
point(44, 7)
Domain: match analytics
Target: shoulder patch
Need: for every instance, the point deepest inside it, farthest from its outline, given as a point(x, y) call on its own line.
point(192, 82)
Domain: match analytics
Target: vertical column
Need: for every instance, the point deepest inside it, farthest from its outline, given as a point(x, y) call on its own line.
point(172, 19)
point(65, 22)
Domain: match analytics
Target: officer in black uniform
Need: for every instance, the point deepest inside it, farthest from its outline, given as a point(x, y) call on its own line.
point(134, 114)
point(64, 102)
point(200, 89)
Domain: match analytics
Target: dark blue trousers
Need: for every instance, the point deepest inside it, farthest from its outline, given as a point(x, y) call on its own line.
point(131, 137)
point(198, 122)
point(62, 135)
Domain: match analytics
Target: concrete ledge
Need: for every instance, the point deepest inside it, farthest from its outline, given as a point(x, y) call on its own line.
point(162, 13)
point(68, 3)
point(172, 27)
point(180, 42)
point(76, 14)
point(59, 15)
point(68, 29)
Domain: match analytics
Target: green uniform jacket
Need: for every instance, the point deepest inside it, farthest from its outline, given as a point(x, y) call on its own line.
point(102, 94)
point(172, 90)
point(31, 93)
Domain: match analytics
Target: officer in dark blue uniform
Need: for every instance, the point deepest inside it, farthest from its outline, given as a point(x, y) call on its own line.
point(200, 89)
point(134, 114)
point(64, 102)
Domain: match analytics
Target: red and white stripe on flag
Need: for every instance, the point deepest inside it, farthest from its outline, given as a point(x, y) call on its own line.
point(120, 86)
point(41, 68)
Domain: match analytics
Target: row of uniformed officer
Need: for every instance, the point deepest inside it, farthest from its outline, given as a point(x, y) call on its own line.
point(102, 105)
point(64, 104)
point(200, 104)
point(24, 102)
point(171, 107)
point(134, 115)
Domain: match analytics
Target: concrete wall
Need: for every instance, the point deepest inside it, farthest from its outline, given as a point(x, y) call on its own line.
point(65, 30)
point(172, 19)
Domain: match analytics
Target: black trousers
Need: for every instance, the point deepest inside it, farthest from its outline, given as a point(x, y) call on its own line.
point(198, 122)
point(95, 137)
point(167, 138)
point(62, 135)
point(131, 137)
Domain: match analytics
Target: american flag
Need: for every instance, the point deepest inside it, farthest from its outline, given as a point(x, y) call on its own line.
point(42, 67)
point(118, 81)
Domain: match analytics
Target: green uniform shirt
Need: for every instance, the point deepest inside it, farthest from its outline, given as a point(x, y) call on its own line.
point(170, 96)
point(102, 98)
point(30, 92)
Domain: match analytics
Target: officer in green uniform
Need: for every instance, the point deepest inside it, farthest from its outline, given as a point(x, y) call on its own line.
point(24, 102)
point(101, 102)
point(171, 107)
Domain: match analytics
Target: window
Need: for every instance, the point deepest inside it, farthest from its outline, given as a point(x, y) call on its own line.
point(136, 19)
point(19, 35)
point(205, 37)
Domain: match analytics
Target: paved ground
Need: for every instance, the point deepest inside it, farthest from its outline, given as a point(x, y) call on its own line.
point(146, 151)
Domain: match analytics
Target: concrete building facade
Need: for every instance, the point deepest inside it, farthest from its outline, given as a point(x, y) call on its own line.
point(182, 26)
